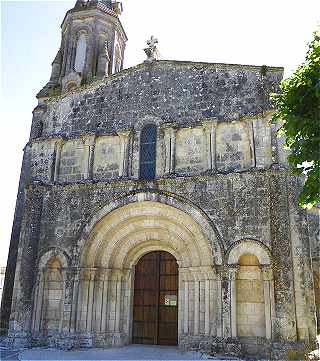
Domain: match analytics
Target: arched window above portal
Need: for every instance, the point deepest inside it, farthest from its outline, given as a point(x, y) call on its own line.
point(148, 143)
point(81, 50)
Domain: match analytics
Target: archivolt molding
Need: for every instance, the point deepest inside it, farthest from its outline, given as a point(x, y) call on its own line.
point(54, 253)
point(123, 231)
point(147, 120)
point(254, 247)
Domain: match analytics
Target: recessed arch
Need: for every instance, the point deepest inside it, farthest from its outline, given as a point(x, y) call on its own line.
point(125, 228)
point(51, 254)
point(81, 52)
point(249, 247)
point(143, 217)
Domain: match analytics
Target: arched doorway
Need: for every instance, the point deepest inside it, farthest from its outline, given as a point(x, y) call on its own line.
point(111, 247)
point(155, 301)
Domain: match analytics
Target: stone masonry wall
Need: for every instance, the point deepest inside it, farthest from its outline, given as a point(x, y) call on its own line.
point(173, 91)
point(238, 204)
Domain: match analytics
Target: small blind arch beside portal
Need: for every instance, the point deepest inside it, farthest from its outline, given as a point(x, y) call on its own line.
point(148, 142)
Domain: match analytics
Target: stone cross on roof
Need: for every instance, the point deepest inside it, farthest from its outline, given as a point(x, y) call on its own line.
point(152, 42)
point(152, 50)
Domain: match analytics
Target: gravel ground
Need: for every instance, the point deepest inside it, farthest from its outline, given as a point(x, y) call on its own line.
point(133, 352)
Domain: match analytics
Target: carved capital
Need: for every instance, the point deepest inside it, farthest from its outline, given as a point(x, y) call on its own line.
point(169, 128)
point(209, 123)
point(124, 133)
point(88, 274)
point(116, 274)
point(266, 271)
point(59, 142)
point(89, 140)
point(102, 274)
point(232, 272)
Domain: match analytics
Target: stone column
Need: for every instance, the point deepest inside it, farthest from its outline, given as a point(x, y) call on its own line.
point(75, 300)
point(63, 298)
point(170, 145)
point(58, 149)
point(118, 301)
point(249, 124)
point(37, 311)
point(226, 302)
point(207, 308)
point(98, 294)
point(128, 297)
point(196, 305)
point(219, 304)
point(89, 144)
point(209, 126)
point(91, 300)
point(105, 295)
point(233, 294)
point(124, 136)
point(186, 307)
point(68, 279)
point(266, 273)
point(208, 275)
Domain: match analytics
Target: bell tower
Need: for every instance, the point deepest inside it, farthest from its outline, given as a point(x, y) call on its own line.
point(92, 46)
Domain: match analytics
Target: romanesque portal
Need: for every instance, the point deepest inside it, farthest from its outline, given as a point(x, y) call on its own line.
point(149, 273)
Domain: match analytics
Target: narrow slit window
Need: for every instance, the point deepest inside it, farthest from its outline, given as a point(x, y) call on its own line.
point(148, 152)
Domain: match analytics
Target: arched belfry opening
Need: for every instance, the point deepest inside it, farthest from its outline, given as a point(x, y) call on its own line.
point(155, 300)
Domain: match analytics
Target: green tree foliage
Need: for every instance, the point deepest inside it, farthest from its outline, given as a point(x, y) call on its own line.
point(298, 107)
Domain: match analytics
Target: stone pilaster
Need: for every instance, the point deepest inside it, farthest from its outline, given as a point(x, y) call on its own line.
point(285, 316)
point(233, 297)
point(91, 280)
point(89, 144)
point(37, 121)
point(196, 306)
point(25, 278)
point(226, 302)
point(170, 147)
point(301, 260)
point(7, 302)
point(267, 280)
point(58, 149)
point(125, 137)
point(252, 142)
point(210, 126)
point(105, 295)
point(65, 304)
point(219, 309)
point(75, 299)
point(207, 308)
point(119, 302)
point(37, 308)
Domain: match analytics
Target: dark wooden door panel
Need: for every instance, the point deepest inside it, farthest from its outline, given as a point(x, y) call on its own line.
point(155, 308)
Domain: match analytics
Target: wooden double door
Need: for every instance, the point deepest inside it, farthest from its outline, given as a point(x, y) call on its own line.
point(155, 305)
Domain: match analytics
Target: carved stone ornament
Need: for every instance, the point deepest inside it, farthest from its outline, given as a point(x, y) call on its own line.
point(152, 51)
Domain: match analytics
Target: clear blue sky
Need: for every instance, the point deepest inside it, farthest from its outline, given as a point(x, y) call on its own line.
point(273, 32)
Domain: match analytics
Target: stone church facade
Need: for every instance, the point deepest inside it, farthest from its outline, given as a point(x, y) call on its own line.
point(165, 159)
